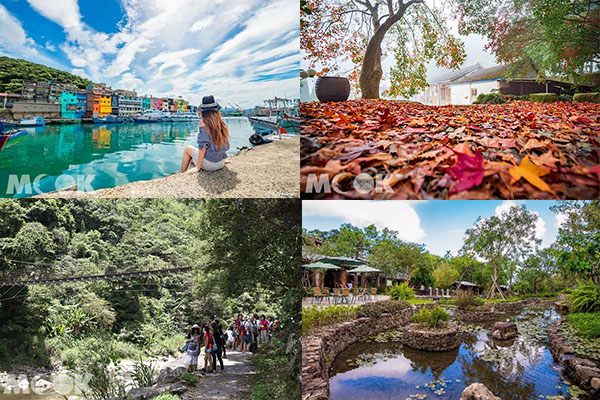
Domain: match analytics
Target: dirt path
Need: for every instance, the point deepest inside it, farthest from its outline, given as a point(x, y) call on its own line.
point(232, 383)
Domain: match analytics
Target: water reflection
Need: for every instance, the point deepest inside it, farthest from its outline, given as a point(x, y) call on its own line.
point(522, 368)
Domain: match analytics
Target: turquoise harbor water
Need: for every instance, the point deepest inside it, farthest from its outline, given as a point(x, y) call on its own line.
point(102, 156)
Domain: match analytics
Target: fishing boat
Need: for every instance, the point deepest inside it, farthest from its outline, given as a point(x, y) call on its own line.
point(262, 124)
point(290, 123)
point(108, 120)
point(35, 121)
point(183, 117)
point(12, 137)
point(150, 116)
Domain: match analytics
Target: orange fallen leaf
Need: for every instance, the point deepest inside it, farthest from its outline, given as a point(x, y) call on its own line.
point(531, 173)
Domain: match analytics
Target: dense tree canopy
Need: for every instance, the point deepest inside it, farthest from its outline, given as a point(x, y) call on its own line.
point(559, 36)
point(13, 71)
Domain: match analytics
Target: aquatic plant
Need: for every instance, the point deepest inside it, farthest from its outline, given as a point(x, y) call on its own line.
point(585, 297)
point(435, 318)
point(401, 292)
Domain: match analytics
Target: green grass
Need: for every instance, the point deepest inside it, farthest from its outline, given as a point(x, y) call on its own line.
point(435, 318)
point(313, 317)
point(586, 324)
point(420, 301)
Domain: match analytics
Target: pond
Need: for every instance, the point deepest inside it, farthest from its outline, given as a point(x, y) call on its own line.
point(102, 156)
point(380, 368)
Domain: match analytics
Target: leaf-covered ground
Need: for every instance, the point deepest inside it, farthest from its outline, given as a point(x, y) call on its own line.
point(505, 151)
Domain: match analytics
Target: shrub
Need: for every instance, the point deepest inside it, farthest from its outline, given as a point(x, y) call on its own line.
point(273, 379)
point(466, 299)
point(190, 378)
point(585, 324)
point(435, 318)
point(401, 292)
point(585, 298)
point(490, 98)
point(543, 97)
point(313, 317)
point(565, 97)
point(582, 97)
point(143, 373)
point(374, 310)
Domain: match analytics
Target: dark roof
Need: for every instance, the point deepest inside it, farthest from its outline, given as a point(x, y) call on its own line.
point(500, 72)
point(452, 76)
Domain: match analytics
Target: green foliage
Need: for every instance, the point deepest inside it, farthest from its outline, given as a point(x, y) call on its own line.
point(421, 276)
point(434, 318)
point(143, 373)
point(586, 324)
point(466, 299)
point(13, 71)
point(168, 396)
point(585, 298)
point(401, 292)
point(543, 97)
point(375, 309)
point(271, 381)
point(313, 318)
point(444, 275)
point(490, 98)
point(190, 378)
point(590, 97)
point(104, 384)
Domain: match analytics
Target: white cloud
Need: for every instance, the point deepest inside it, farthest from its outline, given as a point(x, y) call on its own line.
point(540, 224)
point(202, 24)
point(399, 216)
point(13, 39)
point(63, 12)
point(561, 218)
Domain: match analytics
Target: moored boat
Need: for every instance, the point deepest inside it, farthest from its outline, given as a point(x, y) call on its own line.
point(108, 120)
point(34, 121)
point(150, 116)
point(183, 117)
point(12, 137)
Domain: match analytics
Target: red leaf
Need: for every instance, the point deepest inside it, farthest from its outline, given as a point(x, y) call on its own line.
point(468, 170)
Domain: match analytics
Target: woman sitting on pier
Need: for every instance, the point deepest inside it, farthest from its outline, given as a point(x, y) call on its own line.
point(213, 140)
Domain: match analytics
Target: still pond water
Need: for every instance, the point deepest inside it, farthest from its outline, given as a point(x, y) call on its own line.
point(113, 154)
point(521, 369)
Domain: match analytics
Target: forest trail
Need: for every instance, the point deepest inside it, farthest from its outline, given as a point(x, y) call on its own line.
point(233, 383)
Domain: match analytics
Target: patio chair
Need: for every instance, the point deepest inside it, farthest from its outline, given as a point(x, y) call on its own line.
point(327, 293)
point(345, 296)
point(317, 295)
point(355, 294)
point(374, 293)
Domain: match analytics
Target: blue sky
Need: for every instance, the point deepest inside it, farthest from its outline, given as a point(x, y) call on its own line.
point(243, 52)
point(440, 225)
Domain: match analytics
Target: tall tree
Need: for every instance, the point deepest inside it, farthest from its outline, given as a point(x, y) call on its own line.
point(500, 240)
point(559, 36)
point(363, 32)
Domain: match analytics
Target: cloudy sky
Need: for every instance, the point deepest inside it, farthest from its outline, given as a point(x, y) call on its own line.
point(440, 225)
point(243, 52)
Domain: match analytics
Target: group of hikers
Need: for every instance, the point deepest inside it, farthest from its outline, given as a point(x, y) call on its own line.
point(245, 334)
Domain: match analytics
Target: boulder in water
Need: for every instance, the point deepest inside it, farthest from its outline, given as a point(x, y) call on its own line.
point(478, 391)
point(504, 330)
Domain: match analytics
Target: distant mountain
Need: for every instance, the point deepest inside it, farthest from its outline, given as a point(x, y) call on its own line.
point(14, 70)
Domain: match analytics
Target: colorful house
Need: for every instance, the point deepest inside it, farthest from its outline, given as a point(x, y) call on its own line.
point(164, 104)
point(146, 103)
point(96, 110)
point(105, 105)
point(68, 105)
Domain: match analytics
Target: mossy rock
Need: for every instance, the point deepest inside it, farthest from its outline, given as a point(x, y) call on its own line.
point(543, 97)
point(591, 97)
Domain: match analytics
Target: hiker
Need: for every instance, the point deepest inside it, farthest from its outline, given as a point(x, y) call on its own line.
point(208, 347)
point(193, 347)
point(254, 329)
point(219, 344)
point(275, 325)
point(213, 140)
point(247, 334)
point(263, 327)
point(270, 319)
point(230, 338)
point(237, 336)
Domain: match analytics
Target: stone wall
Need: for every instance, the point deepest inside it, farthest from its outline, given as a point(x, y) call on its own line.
point(418, 338)
point(583, 372)
point(480, 315)
point(319, 350)
point(510, 308)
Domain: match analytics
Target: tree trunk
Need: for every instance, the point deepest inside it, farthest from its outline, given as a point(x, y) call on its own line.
point(371, 72)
